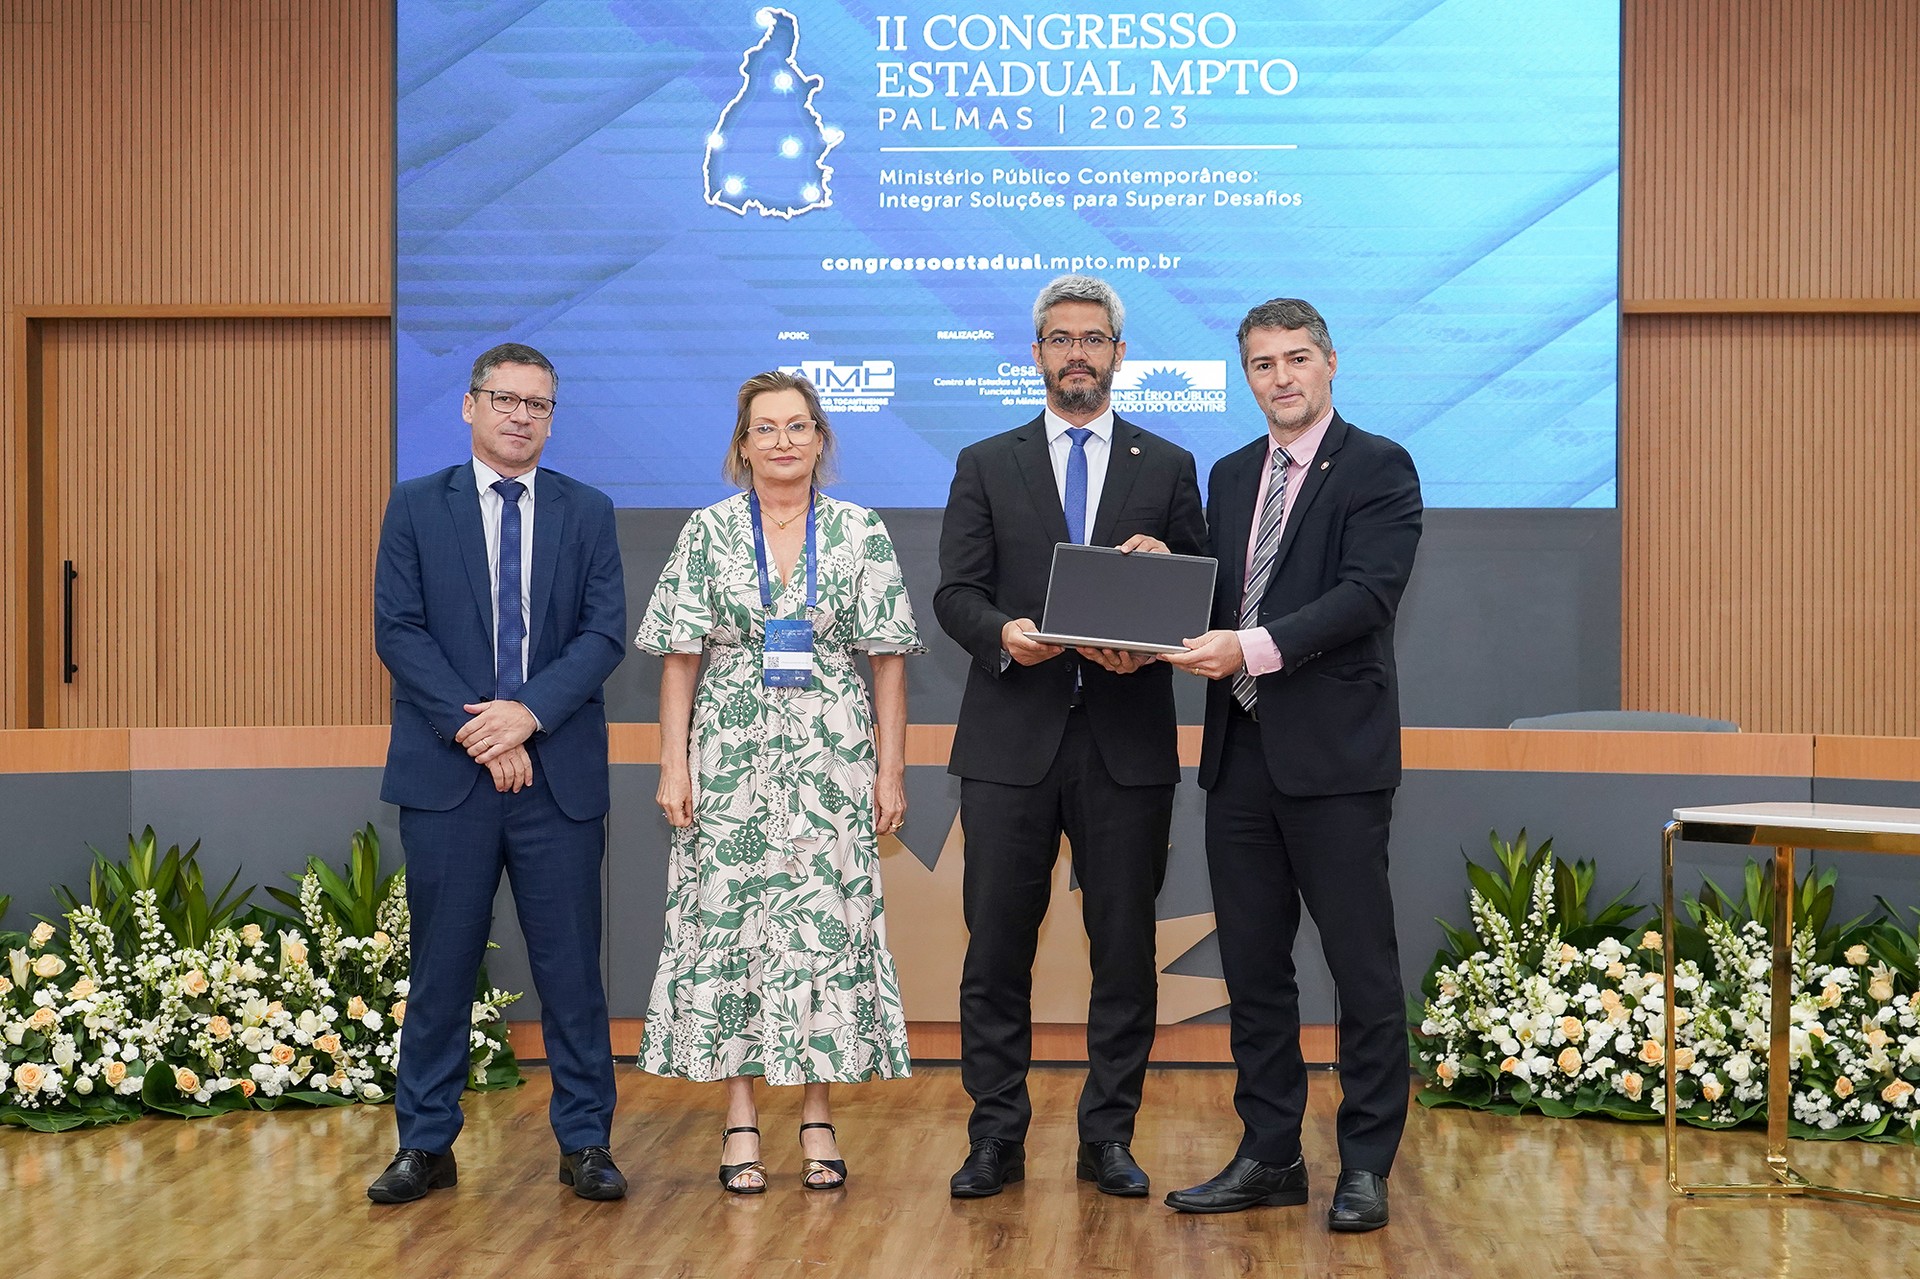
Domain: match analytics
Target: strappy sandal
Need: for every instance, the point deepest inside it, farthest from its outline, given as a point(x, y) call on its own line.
point(730, 1174)
point(833, 1168)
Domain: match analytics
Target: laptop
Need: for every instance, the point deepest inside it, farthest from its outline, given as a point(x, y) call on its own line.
point(1142, 602)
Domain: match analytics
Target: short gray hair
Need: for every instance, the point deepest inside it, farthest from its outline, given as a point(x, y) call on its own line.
point(1286, 313)
point(1078, 288)
point(509, 353)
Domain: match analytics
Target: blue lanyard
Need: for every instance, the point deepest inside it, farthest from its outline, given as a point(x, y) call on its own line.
point(760, 554)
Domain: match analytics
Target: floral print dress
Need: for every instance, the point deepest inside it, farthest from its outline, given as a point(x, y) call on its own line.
point(774, 961)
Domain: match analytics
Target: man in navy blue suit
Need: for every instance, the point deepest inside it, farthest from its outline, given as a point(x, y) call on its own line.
point(500, 610)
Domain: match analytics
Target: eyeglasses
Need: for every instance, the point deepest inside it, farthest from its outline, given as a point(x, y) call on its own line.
point(1060, 343)
point(507, 402)
point(766, 434)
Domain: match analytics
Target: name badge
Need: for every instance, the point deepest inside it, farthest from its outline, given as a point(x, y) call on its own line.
point(789, 654)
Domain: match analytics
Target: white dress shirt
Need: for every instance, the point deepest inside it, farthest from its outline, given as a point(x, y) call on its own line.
point(491, 505)
point(1098, 446)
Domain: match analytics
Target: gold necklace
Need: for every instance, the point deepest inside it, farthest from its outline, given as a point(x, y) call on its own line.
point(780, 523)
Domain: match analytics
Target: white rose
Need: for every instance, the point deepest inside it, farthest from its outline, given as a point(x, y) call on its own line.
point(6, 1073)
point(371, 1021)
point(63, 1054)
point(83, 1086)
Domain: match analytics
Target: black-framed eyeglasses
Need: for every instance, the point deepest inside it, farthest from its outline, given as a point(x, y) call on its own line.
point(507, 402)
point(766, 434)
point(1062, 343)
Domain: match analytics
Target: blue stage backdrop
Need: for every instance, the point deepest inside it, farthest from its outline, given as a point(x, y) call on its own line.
point(670, 195)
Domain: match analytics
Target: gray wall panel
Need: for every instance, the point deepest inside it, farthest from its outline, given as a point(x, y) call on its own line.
point(50, 819)
point(1510, 613)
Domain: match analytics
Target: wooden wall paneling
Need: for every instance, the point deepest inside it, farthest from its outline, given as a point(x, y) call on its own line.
point(1770, 570)
point(216, 491)
point(176, 155)
point(1770, 151)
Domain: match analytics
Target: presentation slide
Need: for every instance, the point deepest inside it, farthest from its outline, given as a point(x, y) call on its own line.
point(668, 197)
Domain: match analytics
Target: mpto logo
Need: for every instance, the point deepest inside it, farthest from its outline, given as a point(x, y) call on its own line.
point(1170, 386)
point(864, 387)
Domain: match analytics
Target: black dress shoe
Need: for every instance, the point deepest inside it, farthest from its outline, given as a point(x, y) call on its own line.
point(411, 1175)
point(1245, 1183)
point(592, 1173)
point(1359, 1201)
point(991, 1164)
point(1110, 1165)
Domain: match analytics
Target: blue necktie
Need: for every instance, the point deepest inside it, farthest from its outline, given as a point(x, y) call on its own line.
point(1077, 484)
point(512, 632)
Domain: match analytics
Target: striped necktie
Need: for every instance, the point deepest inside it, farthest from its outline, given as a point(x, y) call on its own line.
point(1260, 567)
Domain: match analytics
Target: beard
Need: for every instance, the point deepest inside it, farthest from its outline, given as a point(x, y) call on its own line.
point(1084, 398)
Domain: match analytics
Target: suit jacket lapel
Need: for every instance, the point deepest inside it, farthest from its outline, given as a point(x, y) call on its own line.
point(463, 503)
point(1236, 519)
point(1310, 485)
point(1124, 460)
point(1030, 452)
point(550, 512)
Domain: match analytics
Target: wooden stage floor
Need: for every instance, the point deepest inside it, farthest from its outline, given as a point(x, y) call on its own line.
point(282, 1195)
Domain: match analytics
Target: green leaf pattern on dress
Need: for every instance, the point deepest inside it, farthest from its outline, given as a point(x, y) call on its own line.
point(775, 960)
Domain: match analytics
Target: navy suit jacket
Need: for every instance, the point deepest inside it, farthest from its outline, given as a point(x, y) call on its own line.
point(1330, 716)
point(433, 627)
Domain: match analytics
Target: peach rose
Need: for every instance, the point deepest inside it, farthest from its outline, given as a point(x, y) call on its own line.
point(1682, 1058)
point(1877, 1038)
point(28, 1076)
point(339, 1080)
point(185, 1080)
point(282, 1054)
point(1616, 970)
point(1897, 1092)
point(1651, 1052)
point(356, 1008)
point(1568, 953)
point(49, 966)
point(250, 935)
point(274, 1009)
point(380, 938)
point(194, 984)
point(1445, 1072)
point(220, 1028)
point(42, 934)
point(1630, 1084)
point(1843, 1087)
point(1711, 1088)
point(1856, 955)
point(292, 953)
point(1881, 988)
point(248, 1087)
point(115, 1074)
point(1511, 1066)
point(1829, 995)
point(1573, 1028)
point(398, 1012)
point(82, 989)
point(1569, 1060)
point(1652, 940)
point(328, 1044)
point(6, 985)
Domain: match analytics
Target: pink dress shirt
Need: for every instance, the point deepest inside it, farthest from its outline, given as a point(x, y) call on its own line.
point(1256, 642)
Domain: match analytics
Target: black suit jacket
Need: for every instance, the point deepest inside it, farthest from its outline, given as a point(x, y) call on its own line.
point(996, 552)
point(1330, 717)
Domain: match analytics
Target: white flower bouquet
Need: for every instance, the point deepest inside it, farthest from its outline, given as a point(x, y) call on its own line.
point(159, 999)
point(1544, 1006)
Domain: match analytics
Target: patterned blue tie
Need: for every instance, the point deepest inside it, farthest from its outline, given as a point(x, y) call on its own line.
point(1260, 567)
point(1077, 484)
point(512, 632)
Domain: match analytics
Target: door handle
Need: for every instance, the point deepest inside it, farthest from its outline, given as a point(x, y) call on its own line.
point(68, 577)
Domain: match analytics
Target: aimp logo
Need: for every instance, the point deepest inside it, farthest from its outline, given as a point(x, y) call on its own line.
point(1171, 386)
point(862, 387)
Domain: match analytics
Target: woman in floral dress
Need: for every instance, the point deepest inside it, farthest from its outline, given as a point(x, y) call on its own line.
point(774, 962)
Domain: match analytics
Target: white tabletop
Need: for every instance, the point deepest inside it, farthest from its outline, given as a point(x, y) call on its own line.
point(1797, 815)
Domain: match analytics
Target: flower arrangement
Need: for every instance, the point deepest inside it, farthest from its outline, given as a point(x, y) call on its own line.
point(1545, 1006)
point(159, 998)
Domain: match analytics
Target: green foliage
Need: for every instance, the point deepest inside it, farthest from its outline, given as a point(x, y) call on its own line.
point(178, 885)
point(1811, 907)
point(353, 903)
point(1508, 889)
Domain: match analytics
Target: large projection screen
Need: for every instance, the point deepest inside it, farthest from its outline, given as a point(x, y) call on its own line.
point(668, 197)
